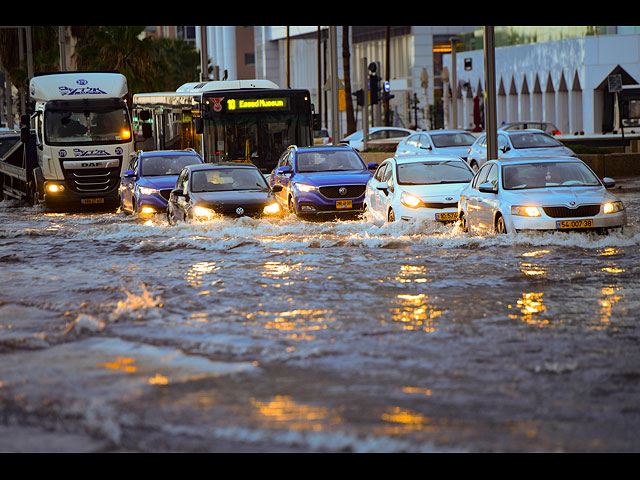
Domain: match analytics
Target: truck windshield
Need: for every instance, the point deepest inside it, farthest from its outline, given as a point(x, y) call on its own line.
point(84, 124)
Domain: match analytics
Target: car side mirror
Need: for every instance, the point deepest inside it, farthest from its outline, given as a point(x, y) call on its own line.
point(372, 166)
point(276, 188)
point(283, 170)
point(177, 192)
point(129, 173)
point(425, 147)
point(608, 182)
point(487, 188)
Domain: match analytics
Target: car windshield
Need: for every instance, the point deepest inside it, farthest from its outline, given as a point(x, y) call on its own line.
point(547, 174)
point(227, 179)
point(433, 172)
point(166, 165)
point(533, 140)
point(328, 161)
point(460, 139)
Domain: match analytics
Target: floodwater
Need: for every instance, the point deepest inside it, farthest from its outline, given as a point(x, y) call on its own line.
point(124, 334)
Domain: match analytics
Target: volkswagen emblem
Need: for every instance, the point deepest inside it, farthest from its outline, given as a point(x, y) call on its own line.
point(342, 191)
point(239, 210)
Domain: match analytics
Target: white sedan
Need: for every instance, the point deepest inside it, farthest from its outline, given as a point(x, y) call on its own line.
point(417, 188)
point(553, 193)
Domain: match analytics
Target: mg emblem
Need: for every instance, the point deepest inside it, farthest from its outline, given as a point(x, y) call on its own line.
point(342, 191)
point(239, 210)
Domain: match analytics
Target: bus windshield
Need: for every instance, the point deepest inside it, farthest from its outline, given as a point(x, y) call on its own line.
point(259, 138)
point(87, 124)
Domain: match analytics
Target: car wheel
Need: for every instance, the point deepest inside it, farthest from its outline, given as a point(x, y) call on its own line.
point(170, 218)
point(391, 217)
point(292, 206)
point(464, 225)
point(501, 228)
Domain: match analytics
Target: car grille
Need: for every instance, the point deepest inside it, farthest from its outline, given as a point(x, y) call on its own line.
point(566, 212)
point(440, 205)
point(93, 180)
point(353, 191)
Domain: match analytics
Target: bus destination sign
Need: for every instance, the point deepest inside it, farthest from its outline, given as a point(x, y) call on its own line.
point(247, 104)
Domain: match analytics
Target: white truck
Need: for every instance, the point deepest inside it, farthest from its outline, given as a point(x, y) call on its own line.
point(76, 144)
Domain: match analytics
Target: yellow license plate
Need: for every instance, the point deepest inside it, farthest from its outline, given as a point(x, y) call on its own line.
point(343, 204)
point(564, 224)
point(447, 216)
point(86, 201)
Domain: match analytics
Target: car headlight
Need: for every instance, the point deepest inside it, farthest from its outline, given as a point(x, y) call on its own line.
point(200, 212)
point(409, 200)
point(612, 207)
point(306, 188)
point(147, 190)
point(272, 208)
point(525, 211)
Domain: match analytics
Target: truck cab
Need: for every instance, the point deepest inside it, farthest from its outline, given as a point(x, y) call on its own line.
point(83, 137)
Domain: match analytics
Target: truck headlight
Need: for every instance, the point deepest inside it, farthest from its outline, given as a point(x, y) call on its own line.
point(525, 211)
point(612, 207)
point(54, 188)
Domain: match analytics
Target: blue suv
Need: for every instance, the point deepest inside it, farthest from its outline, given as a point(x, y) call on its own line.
point(320, 180)
point(146, 185)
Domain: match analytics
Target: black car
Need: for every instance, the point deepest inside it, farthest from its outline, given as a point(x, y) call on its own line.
point(212, 189)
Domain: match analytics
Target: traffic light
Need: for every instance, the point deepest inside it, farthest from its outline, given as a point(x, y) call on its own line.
point(373, 88)
point(359, 94)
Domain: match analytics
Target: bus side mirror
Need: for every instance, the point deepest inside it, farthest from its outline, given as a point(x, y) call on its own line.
point(199, 125)
point(146, 130)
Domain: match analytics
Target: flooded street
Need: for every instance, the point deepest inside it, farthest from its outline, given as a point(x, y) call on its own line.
point(124, 334)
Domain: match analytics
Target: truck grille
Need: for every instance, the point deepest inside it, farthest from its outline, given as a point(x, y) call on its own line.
point(93, 180)
point(566, 212)
point(353, 191)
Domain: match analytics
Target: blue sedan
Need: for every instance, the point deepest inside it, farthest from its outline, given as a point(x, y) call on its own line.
point(146, 185)
point(321, 180)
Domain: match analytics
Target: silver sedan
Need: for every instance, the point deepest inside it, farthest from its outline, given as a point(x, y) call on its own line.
point(558, 193)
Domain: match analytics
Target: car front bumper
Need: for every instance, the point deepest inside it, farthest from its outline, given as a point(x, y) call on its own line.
point(543, 222)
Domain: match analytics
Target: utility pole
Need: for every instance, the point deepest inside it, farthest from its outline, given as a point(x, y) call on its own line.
point(335, 87)
point(454, 84)
point(63, 49)
point(204, 55)
point(365, 106)
point(490, 93)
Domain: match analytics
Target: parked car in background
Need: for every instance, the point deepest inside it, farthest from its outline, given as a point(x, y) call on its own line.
point(230, 189)
point(322, 180)
point(146, 185)
point(546, 127)
point(517, 143)
point(321, 137)
point(377, 134)
point(445, 142)
point(417, 188)
point(541, 193)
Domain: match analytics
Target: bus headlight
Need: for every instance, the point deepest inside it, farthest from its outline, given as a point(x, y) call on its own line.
point(272, 208)
point(612, 207)
point(525, 211)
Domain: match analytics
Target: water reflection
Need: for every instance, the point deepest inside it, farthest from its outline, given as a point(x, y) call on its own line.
point(610, 296)
point(531, 307)
point(531, 268)
point(402, 421)
point(284, 412)
point(196, 272)
point(302, 323)
point(416, 312)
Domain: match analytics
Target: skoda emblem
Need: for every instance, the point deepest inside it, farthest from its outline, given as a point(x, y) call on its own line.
point(239, 210)
point(342, 190)
point(572, 203)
